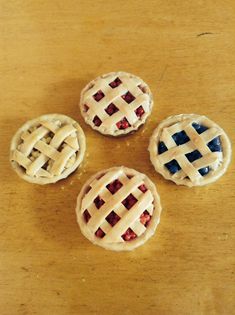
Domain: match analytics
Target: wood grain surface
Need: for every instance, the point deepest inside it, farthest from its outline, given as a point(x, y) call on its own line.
point(185, 51)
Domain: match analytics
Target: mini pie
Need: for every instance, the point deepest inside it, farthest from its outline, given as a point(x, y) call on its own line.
point(190, 150)
point(116, 103)
point(47, 149)
point(118, 209)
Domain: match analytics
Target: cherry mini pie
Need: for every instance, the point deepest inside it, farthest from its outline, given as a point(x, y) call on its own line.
point(118, 209)
point(190, 150)
point(116, 103)
point(47, 149)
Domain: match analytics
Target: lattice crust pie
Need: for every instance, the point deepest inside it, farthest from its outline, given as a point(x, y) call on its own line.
point(190, 150)
point(118, 209)
point(116, 103)
point(47, 149)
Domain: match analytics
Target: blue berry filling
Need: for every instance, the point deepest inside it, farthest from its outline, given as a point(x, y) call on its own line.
point(162, 147)
point(181, 138)
point(215, 145)
point(173, 166)
point(205, 170)
point(193, 156)
point(199, 128)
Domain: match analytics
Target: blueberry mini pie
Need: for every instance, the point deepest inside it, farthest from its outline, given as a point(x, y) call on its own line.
point(118, 209)
point(116, 103)
point(47, 149)
point(190, 150)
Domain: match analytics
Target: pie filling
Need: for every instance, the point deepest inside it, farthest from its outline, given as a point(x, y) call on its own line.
point(181, 138)
point(128, 97)
point(115, 83)
point(97, 122)
point(113, 218)
point(114, 186)
point(98, 96)
point(98, 202)
point(139, 111)
point(123, 124)
point(112, 109)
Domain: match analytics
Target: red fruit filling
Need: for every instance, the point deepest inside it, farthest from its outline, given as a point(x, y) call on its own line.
point(98, 95)
point(128, 97)
point(115, 83)
point(129, 201)
point(97, 121)
point(114, 186)
point(111, 109)
point(145, 218)
point(86, 216)
point(98, 202)
point(129, 235)
point(142, 88)
point(143, 188)
point(100, 233)
point(123, 124)
point(112, 218)
point(85, 108)
point(139, 111)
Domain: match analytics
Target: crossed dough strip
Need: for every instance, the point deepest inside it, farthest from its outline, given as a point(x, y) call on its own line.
point(65, 134)
point(129, 218)
point(197, 142)
point(114, 95)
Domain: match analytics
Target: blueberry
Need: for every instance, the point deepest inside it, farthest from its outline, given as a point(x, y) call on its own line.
point(173, 166)
point(162, 147)
point(203, 171)
point(199, 128)
point(193, 156)
point(215, 145)
point(180, 137)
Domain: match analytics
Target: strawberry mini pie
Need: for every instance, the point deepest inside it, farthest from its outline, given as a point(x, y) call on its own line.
point(118, 209)
point(116, 103)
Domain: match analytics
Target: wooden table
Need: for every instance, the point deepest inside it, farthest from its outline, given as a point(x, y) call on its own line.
point(185, 51)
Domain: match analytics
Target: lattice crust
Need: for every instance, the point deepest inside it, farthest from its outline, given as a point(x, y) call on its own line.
point(110, 113)
point(189, 174)
point(129, 219)
point(48, 148)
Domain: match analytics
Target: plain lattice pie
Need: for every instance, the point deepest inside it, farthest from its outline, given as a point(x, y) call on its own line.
point(118, 209)
point(116, 103)
point(47, 149)
point(190, 150)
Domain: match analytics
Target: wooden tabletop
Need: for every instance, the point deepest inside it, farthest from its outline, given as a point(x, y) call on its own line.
point(185, 51)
